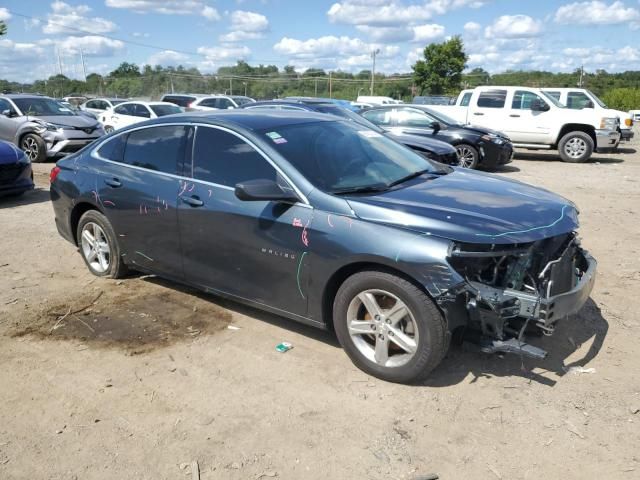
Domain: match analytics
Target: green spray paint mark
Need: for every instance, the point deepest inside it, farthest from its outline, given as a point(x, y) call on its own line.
point(298, 275)
point(527, 230)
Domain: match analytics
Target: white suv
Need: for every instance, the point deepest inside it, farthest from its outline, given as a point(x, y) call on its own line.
point(195, 102)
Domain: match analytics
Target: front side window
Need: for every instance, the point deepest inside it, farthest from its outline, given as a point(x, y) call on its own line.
point(224, 103)
point(225, 159)
point(466, 98)
point(340, 156)
point(157, 148)
point(407, 117)
point(522, 100)
point(126, 109)
point(141, 111)
point(492, 99)
point(578, 101)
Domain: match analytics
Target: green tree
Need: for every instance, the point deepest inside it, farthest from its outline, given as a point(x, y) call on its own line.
point(441, 70)
point(126, 69)
point(3, 28)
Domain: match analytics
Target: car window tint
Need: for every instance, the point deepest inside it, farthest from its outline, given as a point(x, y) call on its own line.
point(4, 105)
point(555, 95)
point(578, 100)
point(113, 149)
point(466, 98)
point(379, 117)
point(522, 100)
point(412, 118)
point(208, 102)
point(140, 110)
point(157, 148)
point(222, 158)
point(123, 109)
point(223, 103)
point(492, 99)
point(181, 101)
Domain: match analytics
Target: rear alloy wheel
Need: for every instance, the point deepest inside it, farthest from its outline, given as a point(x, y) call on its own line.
point(108, 129)
point(98, 246)
point(34, 147)
point(575, 147)
point(388, 327)
point(468, 156)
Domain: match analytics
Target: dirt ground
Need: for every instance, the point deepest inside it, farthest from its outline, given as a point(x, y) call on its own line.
point(139, 378)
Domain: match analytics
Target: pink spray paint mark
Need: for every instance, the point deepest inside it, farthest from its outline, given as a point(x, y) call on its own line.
point(193, 185)
point(297, 223)
point(210, 193)
point(109, 203)
point(184, 188)
point(305, 236)
point(145, 210)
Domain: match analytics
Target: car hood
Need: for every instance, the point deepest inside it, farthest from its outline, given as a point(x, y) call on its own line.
point(436, 146)
point(9, 153)
point(78, 121)
point(471, 207)
point(481, 130)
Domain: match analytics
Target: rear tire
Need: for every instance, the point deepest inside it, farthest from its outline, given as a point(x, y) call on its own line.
point(401, 343)
point(34, 147)
point(576, 147)
point(99, 247)
point(468, 155)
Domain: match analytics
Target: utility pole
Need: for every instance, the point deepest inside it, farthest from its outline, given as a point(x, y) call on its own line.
point(84, 67)
point(581, 75)
point(231, 86)
point(316, 89)
point(59, 61)
point(330, 86)
point(171, 80)
point(245, 88)
point(373, 70)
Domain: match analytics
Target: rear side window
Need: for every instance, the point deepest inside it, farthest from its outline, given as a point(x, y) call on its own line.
point(222, 158)
point(578, 101)
point(113, 149)
point(158, 148)
point(208, 102)
point(407, 117)
point(492, 99)
point(181, 101)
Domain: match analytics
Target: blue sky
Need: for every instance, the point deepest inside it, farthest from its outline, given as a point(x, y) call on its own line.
point(556, 35)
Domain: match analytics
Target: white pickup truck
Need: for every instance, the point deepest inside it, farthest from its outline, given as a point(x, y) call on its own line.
point(580, 98)
point(535, 120)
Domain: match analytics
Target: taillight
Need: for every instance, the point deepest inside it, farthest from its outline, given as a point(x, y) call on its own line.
point(54, 174)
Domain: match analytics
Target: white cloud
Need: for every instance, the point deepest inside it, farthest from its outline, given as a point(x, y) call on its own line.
point(167, 58)
point(245, 26)
point(427, 33)
point(91, 46)
point(210, 13)
point(514, 26)
point(386, 34)
point(4, 14)
point(226, 53)
point(65, 16)
point(472, 28)
point(140, 34)
point(596, 13)
point(329, 46)
point(392, 12)
point(167, 7)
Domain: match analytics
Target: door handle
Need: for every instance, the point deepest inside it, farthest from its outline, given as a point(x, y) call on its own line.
point(478, 113)
point(113, 182)
point(193, 201)
point(515, 116)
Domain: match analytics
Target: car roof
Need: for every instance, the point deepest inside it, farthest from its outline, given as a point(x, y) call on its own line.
point(277, 102)
point(148, 103)
point(24, 95)
point(250, 119)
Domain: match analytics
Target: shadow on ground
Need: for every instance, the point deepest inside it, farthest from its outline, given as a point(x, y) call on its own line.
point(553, 157)
point(38, 195)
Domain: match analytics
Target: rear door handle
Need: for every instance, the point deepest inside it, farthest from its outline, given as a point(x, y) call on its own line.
point(113, 182)
point(478, 113)
point(192, 201)
point(515, 116)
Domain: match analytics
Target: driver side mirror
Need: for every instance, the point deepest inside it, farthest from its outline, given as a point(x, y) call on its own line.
point(263, 190)
point(437, 126)
point(9, 113)
point(538, 105)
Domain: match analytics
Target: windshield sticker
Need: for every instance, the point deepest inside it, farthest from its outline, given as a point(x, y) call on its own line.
point(274, 135)
point(64, 109)
point(369, 133)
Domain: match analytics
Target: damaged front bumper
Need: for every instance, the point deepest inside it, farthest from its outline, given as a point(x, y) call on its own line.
point(523, 289)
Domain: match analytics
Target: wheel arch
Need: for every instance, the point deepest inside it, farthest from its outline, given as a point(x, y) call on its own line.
point(577, 127)
point(336, 280)
point(76, 214)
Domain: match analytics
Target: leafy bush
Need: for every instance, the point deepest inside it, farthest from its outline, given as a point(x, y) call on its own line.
point(623, 98)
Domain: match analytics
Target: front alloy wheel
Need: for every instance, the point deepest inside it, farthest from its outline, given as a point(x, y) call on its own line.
point(467, 156)
point(389, 327)
point(34, 147)
point(382, 328)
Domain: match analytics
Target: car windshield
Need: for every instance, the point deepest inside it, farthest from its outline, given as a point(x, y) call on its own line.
point(42, 107)
point(162, 110)
point(242, 100)
point(595, 97)
point(553, 99)
point(344, 157)
point(348, 115)
point(441, 117)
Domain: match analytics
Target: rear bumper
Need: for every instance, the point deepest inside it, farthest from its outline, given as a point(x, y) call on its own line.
point(606, 139)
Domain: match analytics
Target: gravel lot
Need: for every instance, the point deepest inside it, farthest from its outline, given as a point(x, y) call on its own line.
point(143, 377)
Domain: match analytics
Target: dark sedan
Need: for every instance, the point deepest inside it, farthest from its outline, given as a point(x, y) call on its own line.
point(16, 176)
point(476, 146)
point(328, 223)
point(434, 149)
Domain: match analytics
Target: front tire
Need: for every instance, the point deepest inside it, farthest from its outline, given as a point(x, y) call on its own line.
point(34, 147)
point(576, 147)
point(388, 327)
point(468, 155)
point(99, 247)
